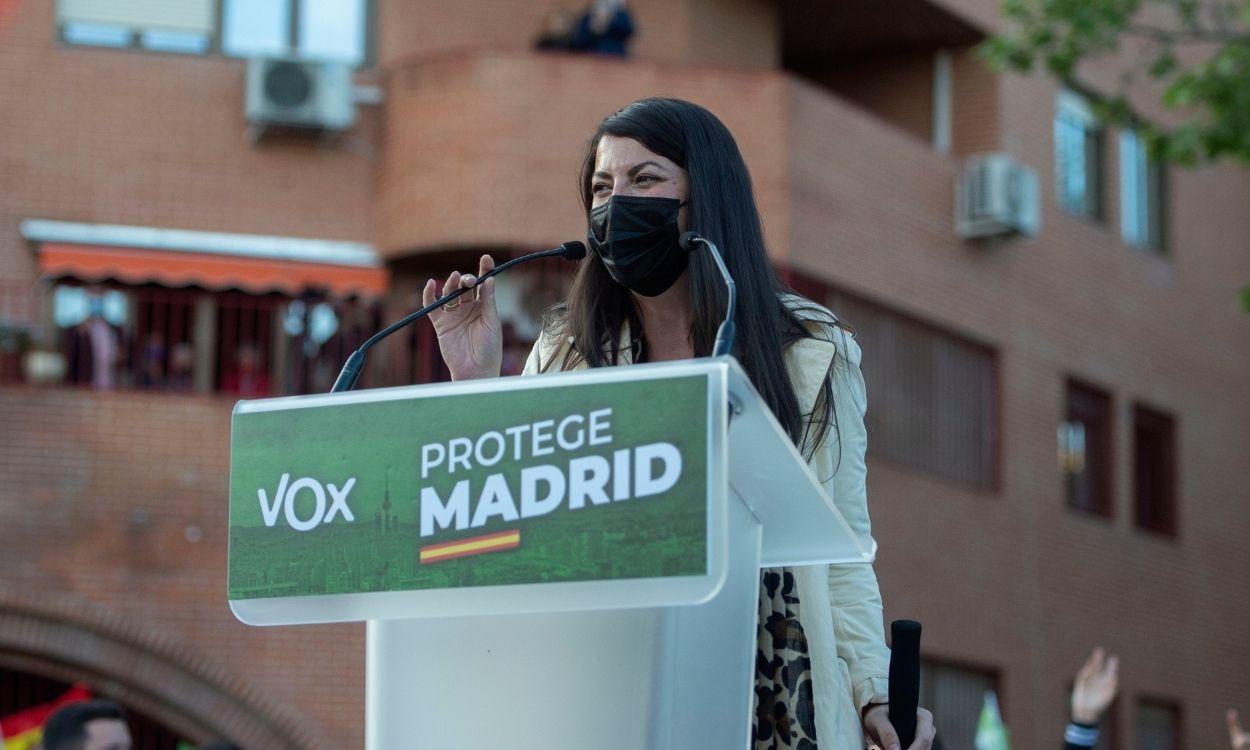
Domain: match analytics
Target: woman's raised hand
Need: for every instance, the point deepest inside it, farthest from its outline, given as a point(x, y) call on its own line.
point(469, 334)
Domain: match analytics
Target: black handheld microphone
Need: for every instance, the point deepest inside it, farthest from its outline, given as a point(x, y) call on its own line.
point(725, 333)
point(356, 362)
point(904, 679)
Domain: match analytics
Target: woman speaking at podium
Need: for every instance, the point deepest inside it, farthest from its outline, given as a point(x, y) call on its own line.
point(653, 170)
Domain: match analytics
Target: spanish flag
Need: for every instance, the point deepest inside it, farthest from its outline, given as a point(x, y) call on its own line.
point(24, 729)
point(472, 546)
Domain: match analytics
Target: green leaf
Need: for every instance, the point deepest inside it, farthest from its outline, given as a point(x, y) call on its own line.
point(1184, 145)
point(1164, 64)
point(1041, 36)
point(1211, 85)
point(1187, 11)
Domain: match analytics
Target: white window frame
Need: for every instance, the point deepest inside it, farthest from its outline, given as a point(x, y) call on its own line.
point(1142, 195)
point(1078, 137)
point(202, 39)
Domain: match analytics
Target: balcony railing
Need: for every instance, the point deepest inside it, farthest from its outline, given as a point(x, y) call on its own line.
point(187, 341)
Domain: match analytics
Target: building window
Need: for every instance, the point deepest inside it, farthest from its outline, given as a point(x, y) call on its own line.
point(332, 30)
point(1085, 453)
point(188, 340)
point(97, 34)
point(174, 41)
point(328, 30)
point(1158, 725)
point(1078, 156)
point(1154, 470)
point(1141, 194)
point(932, 395)
point(167, 26)
point(956, 695)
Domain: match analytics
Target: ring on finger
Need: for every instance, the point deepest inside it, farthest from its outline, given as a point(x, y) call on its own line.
point(452, 304)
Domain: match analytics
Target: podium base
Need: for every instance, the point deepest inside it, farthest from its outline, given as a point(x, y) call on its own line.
point(664, 678)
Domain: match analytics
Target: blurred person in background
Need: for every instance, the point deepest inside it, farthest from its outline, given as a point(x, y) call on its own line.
point(90, 725)
point(1238, 739)
point(604, 29)
point(248, 379)
point(152, 367)
point(181, 367)
point(1094, 689)
point(95, 347)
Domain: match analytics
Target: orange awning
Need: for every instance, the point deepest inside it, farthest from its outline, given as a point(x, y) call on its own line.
point(176, 268)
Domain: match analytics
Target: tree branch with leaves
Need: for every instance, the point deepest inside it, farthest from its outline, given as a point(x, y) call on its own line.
point(1196, 53)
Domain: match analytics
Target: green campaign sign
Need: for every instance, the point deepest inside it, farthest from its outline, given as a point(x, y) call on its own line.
point(589, 481)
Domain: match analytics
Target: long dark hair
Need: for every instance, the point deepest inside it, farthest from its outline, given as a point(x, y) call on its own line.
point(722, 208)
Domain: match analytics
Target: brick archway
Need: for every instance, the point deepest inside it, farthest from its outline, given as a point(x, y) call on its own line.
point(71, 639)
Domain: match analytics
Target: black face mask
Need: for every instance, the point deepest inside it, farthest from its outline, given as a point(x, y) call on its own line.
point(637, 240)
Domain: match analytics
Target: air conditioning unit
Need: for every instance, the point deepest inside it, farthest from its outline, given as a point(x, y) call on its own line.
point(299, 93)
point(996, 195)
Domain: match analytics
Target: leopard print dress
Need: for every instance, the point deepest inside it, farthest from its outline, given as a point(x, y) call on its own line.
point(785, 711)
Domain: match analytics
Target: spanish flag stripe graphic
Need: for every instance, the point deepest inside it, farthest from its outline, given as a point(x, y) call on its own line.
point(473, 546)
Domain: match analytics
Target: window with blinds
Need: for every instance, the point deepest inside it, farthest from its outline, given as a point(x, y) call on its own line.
point(955, 695)
point(325, 30)
point(171, 15)
point(162, 25)
point(932, 394)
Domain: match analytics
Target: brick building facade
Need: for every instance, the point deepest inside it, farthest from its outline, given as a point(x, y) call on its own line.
point(855, 119)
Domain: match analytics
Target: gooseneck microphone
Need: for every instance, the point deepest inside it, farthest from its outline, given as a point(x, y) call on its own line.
point(356, 362)
point(725, 333)
point(904, 679)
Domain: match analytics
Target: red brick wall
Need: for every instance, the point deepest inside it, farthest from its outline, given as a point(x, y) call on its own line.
point(483, 149)
point(975, 108)
point(131, 137)
point(1013, 580)
point(119, 500)
point(739, 33)
point(896, 88)
point(479, 148)
point(735, 33)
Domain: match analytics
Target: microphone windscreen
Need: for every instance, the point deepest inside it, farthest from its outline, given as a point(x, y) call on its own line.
point(689, 240)
point(573, 250)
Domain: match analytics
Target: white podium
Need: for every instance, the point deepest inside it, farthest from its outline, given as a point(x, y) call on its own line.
point(663, 663)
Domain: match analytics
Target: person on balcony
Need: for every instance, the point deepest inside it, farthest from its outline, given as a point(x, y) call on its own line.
point(653, 170)
point(604, 29)
point(95, 347)
point(248, 379)
point(181, 367)
point(152, 364)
